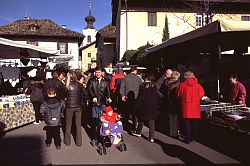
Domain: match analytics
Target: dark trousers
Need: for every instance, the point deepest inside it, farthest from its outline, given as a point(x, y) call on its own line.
point(173, 124)
point(151, 125)
point(53, 132)
point(129, 113)
point(70, 112)
point(190, 129)
point(94, 128)
point(36, 107)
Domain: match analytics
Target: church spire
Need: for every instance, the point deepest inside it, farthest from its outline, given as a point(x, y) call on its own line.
point(90, 19)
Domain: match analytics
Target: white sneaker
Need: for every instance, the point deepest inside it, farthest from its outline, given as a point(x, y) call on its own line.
point(152, 140)
point(135, 134)
point(36, 123)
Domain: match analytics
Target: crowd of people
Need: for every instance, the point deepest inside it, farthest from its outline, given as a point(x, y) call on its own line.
point(129, 97)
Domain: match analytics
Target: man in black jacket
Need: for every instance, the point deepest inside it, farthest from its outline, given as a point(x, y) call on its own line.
point(57, 84)
point(99, 95)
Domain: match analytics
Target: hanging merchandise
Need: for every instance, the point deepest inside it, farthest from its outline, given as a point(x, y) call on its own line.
point(32, 73)
point(10, 72)
point(51, 65)
point(25, 61)
point(43, 64)
point(35, 62)
point(48, 75)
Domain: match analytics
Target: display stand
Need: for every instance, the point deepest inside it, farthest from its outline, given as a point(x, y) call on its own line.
point(236, 117)
point(15, 111)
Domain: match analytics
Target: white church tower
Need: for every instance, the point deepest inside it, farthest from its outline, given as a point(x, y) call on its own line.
point(89, 31)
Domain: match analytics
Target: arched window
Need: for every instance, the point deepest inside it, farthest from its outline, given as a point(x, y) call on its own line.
point(89, 39)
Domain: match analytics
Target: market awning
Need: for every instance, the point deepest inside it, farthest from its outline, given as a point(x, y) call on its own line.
point(10, 49)
point(212, 39)
point(229, 35)
point(60, 59)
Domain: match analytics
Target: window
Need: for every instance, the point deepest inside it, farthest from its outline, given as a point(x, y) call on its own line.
point(63, 47)
point(198, 20)
point(35, 43)
point(152, 19)
point(89, 55)
point(89, 65)
point(202, 20)
point(245, 18)
point(33, 28)
point(207, 20)
point(89, 39)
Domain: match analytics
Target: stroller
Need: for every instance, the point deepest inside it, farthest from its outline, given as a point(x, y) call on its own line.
point(108, 134)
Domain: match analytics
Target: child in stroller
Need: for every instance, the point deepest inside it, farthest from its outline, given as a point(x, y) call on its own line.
point(112, 128)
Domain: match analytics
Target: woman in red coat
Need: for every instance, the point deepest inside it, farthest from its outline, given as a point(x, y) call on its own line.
point(190, 93)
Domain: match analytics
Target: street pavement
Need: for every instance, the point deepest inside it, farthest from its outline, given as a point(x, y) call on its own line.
point(26, 146)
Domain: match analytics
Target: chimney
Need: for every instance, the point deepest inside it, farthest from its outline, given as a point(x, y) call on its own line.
point(27, 18)
point(64, 26)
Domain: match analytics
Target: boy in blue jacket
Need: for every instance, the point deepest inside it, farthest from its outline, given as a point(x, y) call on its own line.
point(52, 109)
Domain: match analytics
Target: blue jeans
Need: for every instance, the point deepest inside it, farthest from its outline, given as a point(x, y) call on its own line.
point(97, 110)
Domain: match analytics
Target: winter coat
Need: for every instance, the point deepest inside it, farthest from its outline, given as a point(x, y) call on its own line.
point(35, 90)
point(146, 103)
point(161, 88)
point(238, 93)
point(172, 102)
point(113, 82)
point(52, 108)
point(190, 93)
point(110, 119)
point(130, 83)
point(74, 95)
point(58, 86)
point(101, 92)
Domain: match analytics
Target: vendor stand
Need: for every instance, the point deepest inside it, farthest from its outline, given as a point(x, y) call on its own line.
point(235, 117)
point(17, 110)
point(208, 43)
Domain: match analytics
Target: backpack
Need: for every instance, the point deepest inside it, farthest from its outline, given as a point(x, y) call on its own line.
point(36, 94)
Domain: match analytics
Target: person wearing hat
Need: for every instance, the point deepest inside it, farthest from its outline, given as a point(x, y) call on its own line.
point(110, 116)
point(111, 126)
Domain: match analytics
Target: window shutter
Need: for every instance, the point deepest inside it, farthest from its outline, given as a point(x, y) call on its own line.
point(66, 47)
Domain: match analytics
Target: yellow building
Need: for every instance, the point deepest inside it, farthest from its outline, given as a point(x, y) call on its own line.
point(141, 23)
point(88, 56)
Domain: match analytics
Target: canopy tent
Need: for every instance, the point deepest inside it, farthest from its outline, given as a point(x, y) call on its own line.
point(229, 35)
point(10, 49)
point(60, 59)
point(211, 39)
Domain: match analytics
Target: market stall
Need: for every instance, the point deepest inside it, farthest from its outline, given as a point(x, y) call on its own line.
point(205, 43)
point(16, 109)
point(208, 43)
point(236, 117)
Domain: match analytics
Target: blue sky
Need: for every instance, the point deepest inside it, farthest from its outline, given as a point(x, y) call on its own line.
point(69, 12)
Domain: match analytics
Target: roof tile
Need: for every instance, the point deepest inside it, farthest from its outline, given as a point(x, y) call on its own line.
point(45, 27)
